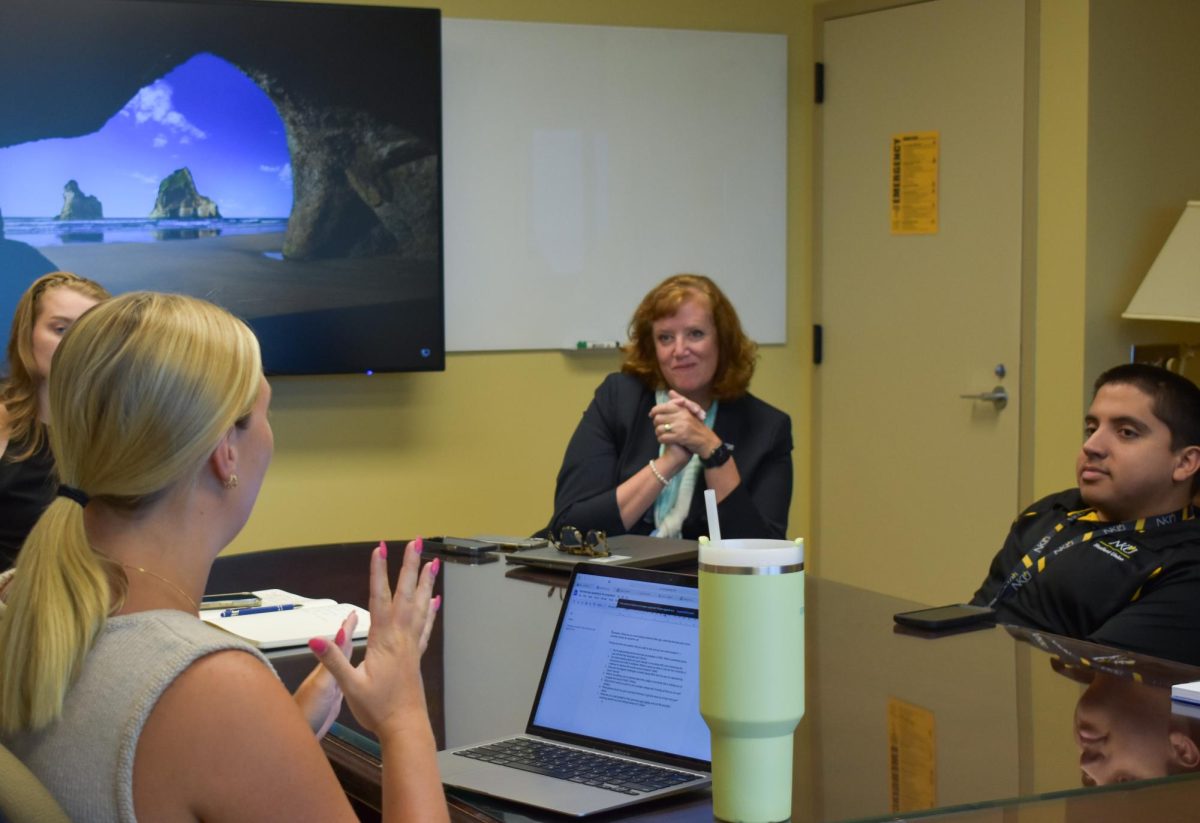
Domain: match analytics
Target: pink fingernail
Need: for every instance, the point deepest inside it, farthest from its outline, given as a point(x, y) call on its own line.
point(318, 645)
point(383, 550)
point(437, 602)
point(340, 638)
point(437, 566)
point(419, 544)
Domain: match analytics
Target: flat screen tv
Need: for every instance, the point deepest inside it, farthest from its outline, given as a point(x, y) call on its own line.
point(280, 159)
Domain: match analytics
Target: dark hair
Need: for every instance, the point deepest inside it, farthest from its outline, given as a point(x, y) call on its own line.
point(1174, 399)
point(736, 352)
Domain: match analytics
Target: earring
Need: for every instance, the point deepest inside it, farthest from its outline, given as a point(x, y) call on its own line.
point(232, 482)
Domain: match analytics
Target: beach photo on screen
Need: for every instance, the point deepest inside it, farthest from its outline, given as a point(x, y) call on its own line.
point(280, 159)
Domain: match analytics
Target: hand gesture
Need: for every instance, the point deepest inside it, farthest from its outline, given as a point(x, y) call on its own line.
point(385, 688)
point(319, 696)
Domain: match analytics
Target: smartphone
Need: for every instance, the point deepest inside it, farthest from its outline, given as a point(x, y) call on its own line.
point(230, 600)
point(953, 616)
point(512, 543)
point(460, 545)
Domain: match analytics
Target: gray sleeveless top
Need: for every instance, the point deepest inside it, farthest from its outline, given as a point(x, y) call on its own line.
point(85, 758)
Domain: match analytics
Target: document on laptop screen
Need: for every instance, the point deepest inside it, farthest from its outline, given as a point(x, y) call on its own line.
point(626, 667)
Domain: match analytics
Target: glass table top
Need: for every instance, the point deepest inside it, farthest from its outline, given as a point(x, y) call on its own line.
point(896, 724)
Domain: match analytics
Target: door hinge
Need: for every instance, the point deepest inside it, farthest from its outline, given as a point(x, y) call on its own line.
point(818, 344)
point(819, 83)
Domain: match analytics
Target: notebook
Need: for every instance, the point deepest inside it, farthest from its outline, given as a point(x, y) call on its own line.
point(278, 630)
point(1186, 693)
point(621, 681)
point(626, 550)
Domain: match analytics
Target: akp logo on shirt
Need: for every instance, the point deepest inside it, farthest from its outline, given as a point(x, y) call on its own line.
point(1117, 549)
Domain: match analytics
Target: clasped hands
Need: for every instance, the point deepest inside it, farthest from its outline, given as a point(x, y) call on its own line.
point(679, 425)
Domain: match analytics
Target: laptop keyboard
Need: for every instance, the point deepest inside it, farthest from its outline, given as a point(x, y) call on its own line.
point(577, 766)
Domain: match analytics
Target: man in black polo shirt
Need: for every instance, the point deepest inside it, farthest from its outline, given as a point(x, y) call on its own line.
point(1116, 560)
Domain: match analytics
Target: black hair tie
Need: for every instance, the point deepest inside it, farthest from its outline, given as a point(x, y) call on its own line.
point(72, 493)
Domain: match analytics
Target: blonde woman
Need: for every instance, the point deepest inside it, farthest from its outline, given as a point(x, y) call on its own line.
point(44, 313)
point(112, 690)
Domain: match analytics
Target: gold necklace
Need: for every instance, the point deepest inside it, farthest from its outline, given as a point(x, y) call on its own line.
point(192, 604)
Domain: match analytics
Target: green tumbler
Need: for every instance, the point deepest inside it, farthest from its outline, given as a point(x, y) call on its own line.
point(752, 672)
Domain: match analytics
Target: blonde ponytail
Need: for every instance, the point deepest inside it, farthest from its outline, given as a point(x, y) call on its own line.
point(142, 389)
point(57, 602)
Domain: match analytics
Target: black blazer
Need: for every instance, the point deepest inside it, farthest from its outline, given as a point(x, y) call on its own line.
point(615, 439)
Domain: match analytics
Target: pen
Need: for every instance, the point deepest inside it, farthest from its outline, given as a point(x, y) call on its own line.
point(261, 609)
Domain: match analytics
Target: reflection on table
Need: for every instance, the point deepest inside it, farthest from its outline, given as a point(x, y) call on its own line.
point(895, 723)
point(1126, 727)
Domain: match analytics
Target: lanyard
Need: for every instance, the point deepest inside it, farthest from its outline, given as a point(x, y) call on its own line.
point(1117, 663)
point(1034, 562)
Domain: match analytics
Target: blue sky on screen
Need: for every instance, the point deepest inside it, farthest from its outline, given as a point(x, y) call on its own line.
point(205, 114)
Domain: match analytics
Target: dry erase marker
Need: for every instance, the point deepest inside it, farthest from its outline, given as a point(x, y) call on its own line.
point(261, 610)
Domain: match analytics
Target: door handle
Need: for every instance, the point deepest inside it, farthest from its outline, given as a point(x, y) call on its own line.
point(997, 396)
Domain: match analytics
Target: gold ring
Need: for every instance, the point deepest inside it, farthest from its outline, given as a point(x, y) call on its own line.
point(666, 427)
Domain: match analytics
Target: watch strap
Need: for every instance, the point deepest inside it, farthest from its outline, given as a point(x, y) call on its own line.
point(719, 457)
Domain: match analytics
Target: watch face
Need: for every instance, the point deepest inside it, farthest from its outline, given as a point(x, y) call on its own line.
point(719, 456)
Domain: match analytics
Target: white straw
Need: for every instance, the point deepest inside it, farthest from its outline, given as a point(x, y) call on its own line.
point(714, 525)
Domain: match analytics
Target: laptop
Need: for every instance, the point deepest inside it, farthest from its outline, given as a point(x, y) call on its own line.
point(626, 550)
point(621, 684)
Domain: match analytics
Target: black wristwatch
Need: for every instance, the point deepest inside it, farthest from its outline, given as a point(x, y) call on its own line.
point(719, 457)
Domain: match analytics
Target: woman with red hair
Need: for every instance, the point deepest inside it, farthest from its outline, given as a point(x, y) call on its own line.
point(677, 419)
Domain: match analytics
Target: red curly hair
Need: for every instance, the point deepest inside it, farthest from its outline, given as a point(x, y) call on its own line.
point(737, 353)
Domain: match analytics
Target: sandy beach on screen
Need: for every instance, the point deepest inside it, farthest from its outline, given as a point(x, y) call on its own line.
point(235, 272)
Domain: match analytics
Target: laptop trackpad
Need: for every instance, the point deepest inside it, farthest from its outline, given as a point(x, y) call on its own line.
point(523, 787)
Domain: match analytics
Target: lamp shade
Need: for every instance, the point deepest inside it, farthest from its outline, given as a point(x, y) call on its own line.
point(1171, 289)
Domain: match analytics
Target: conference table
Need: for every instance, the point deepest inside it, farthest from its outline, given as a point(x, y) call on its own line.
point(968, 727)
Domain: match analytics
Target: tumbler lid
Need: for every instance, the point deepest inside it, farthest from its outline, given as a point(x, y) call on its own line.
point(752, 556)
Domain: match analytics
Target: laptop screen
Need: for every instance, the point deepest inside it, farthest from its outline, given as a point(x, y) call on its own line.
point(624, 667)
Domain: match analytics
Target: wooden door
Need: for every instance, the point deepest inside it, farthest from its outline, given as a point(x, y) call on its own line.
point(915, 486)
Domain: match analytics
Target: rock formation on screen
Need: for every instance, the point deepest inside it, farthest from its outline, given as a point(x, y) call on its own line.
point(79, 206)
point(178, 198)
point(362, 187)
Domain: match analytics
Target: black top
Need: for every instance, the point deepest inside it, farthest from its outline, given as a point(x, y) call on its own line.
point(26, 489)
point(616, 439)
point(1134, 590)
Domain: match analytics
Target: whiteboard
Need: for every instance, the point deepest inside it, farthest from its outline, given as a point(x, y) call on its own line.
point(584, 164)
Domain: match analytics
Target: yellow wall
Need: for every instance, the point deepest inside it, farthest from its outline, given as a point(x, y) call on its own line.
point(1143, 163)
point(1057, 344)
point(476, 448)
point(1117, 162)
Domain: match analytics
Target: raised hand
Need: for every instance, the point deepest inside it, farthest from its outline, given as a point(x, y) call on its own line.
point(385, 691)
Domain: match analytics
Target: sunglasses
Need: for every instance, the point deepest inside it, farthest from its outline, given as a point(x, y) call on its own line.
point(572, 541)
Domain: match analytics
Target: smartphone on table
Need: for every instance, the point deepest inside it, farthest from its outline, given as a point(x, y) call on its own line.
point(941, 618)
point(513, 543)
point(230, 600)
point(460, 545)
